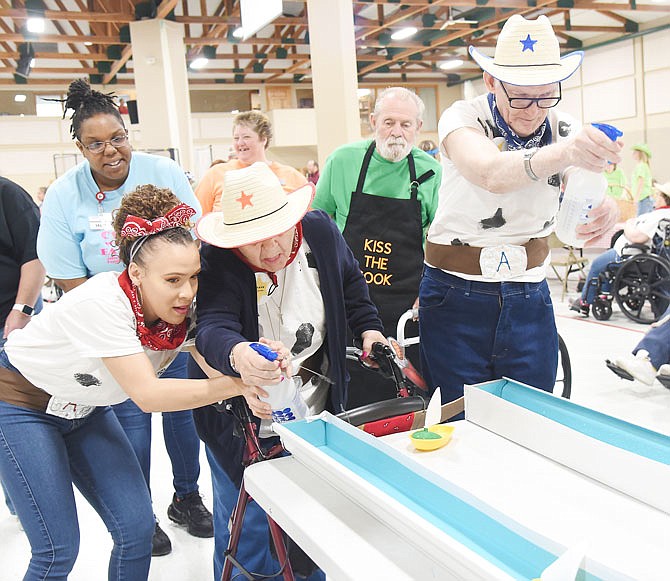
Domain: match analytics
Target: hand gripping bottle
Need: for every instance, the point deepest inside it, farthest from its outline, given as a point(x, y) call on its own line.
point(584, 191)
point(284, 397)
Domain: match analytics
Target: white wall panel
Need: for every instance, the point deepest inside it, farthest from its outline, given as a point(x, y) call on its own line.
point(610, 100)
point(609, 62)
point(656, 48)
point(25, 131)
point(657, 91)
point(572, 102)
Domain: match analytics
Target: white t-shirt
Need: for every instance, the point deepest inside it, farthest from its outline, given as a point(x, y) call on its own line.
point(468, 214)
point(294, 314)
point(648, 224)
point(61, 350)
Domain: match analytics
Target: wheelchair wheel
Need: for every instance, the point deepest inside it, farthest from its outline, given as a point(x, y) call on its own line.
point(642, 287)
point(601, 309)
point(563, 385)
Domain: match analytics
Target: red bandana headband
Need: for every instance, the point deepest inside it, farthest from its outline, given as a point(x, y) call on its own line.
point(143, 228)
point(136, 226)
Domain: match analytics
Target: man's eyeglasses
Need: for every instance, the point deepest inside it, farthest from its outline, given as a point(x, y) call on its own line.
point(525, 102)
point(99, 146)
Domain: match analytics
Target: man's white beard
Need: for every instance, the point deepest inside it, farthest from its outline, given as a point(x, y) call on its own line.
point(393, 149)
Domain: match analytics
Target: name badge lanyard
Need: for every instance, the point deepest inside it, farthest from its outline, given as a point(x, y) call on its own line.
point(100, 196)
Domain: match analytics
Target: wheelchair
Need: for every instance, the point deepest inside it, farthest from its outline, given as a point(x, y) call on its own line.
point(639, 282)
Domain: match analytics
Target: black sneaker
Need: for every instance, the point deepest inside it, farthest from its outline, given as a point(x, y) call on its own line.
point(580, 306)
point(192, 513)
point(160, 543)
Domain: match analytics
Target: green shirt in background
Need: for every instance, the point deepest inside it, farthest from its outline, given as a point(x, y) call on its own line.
point(616, 183)
point(642, 170)
point(384, 178)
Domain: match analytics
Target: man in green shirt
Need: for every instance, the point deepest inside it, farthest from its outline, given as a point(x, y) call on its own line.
point(383, 193)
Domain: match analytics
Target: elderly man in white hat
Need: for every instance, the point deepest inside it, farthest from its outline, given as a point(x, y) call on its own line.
point(271, 271)
point(485, 306)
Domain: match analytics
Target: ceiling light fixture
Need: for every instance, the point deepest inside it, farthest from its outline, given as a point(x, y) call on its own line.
point(35, 25)
point(20, 98)
point(199, 63)
point(451, 64)
point(26, 59)
point(404, 33)
point(238, 32)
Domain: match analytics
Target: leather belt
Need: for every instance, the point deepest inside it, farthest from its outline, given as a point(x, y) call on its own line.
point(465, 259)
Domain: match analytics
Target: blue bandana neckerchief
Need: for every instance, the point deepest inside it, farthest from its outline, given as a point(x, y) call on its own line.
point(540, 138)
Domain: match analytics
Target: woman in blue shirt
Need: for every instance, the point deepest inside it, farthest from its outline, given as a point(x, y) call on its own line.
point(76, 241)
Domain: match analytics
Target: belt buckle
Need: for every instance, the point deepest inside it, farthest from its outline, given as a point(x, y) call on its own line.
point(503, 262)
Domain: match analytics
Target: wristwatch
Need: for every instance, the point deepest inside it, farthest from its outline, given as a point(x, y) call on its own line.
point(527, 156)
point(25, 309)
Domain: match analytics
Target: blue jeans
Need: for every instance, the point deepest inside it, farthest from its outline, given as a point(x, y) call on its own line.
point(253, 550)
point(598, 266)
point(41, 456)
point(474, 331)
point(181, 440)
point(645, 206)
point(657, 343)
point(8, 501)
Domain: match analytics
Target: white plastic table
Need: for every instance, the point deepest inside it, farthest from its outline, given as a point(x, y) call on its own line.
point(348, 542)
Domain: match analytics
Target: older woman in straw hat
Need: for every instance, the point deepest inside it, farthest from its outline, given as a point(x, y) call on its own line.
point(272, 272)
point(504, 155)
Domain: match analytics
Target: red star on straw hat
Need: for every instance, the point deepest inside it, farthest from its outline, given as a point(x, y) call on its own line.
point(244, 200)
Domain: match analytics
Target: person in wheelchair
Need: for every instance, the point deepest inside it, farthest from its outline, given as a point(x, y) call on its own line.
point(637, 231)
point(650, 360)
point(272, 271)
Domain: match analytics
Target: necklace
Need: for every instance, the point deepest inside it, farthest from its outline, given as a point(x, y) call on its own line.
point(281, 283)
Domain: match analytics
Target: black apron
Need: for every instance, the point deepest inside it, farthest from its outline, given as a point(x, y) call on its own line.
point(386, 237)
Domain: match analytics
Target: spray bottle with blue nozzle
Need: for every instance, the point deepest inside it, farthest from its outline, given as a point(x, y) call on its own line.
point(584, 191)
point(284, 397)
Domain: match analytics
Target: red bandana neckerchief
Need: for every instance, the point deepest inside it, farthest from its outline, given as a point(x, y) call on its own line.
point(159, 337)
point(297, 243)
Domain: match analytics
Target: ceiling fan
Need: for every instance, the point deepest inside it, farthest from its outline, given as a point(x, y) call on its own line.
point(455, 19)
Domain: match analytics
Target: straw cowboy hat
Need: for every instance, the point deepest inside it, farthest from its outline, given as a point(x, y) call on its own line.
point(254, 207)
point(663, 188)
point(643, 147)
point(527, 54)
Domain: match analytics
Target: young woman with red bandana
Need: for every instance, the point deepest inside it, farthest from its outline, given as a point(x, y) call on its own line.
point(105, 341)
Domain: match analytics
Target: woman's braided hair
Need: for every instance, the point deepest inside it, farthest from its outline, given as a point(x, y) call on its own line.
point(148, 202)
point(85, 102)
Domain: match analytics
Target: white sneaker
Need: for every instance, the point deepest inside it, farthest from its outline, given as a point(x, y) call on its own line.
point(639, 366)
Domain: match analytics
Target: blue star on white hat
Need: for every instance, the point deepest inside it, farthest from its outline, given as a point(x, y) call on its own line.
point(528, 44)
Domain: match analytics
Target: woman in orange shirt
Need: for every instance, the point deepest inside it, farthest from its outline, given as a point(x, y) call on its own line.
point(252, 132)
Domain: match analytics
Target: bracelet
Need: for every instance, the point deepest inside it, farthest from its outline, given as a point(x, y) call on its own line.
point(527, 156)
point(231, 360)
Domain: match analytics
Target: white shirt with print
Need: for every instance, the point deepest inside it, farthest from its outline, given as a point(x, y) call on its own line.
point(61, 350)
point(468, 214)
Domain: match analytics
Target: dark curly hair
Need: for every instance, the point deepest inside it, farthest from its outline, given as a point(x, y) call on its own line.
point(85, 102)
point(148, 202)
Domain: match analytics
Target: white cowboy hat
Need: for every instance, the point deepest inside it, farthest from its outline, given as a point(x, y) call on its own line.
point(254, 207)
point(663, 188)
point(527, 54)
